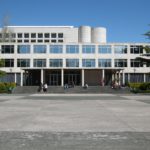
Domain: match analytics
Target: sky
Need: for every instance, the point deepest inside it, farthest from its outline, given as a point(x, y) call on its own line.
point(125, 20)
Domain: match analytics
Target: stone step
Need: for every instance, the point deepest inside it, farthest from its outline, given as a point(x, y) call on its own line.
point(76, 89)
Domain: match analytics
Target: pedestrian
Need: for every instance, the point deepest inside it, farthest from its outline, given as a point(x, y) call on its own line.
point(45, 87)
point(40, 87)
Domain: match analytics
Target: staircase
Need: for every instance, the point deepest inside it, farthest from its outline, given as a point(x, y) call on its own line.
point(76, 89)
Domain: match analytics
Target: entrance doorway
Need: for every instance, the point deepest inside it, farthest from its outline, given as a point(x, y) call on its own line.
point(54, 79)
point(72, 77)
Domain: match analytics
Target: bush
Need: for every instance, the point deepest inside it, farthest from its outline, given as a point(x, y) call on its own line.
point(139, 87)
point(7, 87)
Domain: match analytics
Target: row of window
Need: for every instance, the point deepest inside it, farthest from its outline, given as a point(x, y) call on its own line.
point(73, 63)
point(90, 49)
point(32, 35)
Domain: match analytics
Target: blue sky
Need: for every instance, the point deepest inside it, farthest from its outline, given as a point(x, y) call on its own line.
point(125, 20)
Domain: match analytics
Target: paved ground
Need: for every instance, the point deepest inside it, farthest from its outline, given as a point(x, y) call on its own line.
point(74, 122)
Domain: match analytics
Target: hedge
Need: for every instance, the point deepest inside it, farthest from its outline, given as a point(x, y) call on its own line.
point(6, 87)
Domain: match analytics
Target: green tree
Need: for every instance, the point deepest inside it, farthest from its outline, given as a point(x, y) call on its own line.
point(2, 73)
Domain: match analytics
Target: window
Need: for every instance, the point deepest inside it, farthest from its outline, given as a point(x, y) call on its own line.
point(46, 35)
point(88, 62)
point(60, 35)
point(104, 49)
point(53, 35)
point(55, 62)
point(136, 49)
point(39, 48)
point(39, 63)
point(7, 49)
point(33, 35)
point(40, 41)
point(104, 63)
point(135, 63)
point(0, 35)
point(19, 41)
point(72, 49)
point(60, 41)
point(56, 48)
point(23, 49)
point(88, 49)
point(26, 41)
point(40, 35)
point(23, 62)
point(120, 62)
point(46, 41)
point(72, 62)
point(120, 49)
point(33, 41)
point(8, 62)
point(13, 35)
point(26, 35)
point(53, 41)
point(19, 35)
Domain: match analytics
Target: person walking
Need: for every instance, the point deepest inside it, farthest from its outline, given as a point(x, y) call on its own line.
point(45, 87)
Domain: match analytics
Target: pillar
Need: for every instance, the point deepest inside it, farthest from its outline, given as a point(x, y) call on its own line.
point(144, 77)
point(42, 76)
point(123, 78)
point(62, 77)
point(82, 77)
point(119, 77)
point(128, 77)
point(103, 77)
point(21, 80)
point(15, 78)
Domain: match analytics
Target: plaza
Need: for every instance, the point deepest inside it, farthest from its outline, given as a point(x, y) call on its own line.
point(74, 121)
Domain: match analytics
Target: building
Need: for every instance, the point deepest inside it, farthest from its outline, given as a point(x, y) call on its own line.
point(65, 54)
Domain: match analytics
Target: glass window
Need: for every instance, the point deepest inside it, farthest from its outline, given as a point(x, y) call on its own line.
point(8, 62)
point(22, 49)
point(60, 41)
point(53, 35)
point(72, 62)
point(39, 63)
point(104, 62)
point(56, 48)
point(39, 48)
point(88, 62)
point(40, 35)
point(120, 49)
point(135, 63)
point(53, 41)
point(19, 35)
point(136, 49)
point(46, 35)
point(23, 62)
point(7, 49)
point(72, 49)
point(26, 35)
point(33, 35)
point(60, 35)
point(120, 62)
point(88, 49)
point(55, 62)
point(104, 49)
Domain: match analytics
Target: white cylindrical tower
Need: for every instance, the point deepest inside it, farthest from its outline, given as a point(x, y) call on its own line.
point(84, 34)
point(98, 35)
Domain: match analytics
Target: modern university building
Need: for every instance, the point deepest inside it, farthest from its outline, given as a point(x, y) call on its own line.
point(57, 55)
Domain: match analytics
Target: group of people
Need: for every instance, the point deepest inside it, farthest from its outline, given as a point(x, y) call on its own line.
point(43, 87)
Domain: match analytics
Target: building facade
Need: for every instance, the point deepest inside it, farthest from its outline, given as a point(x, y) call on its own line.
point(59, 55)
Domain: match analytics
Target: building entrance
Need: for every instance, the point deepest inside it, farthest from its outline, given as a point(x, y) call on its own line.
point(54, 79)
point(72, 77)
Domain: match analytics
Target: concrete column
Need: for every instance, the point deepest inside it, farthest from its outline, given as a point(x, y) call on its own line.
point(119, 77)
point(15, 77)
point(62, 77)
point(42, 76)
point(144, 77)
point(123, 78)
point(83, 77)
point(103, 77)
point(21, 80)
point(128, 77)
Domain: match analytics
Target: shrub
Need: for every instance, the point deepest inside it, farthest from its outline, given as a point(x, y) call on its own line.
point(7, 87)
